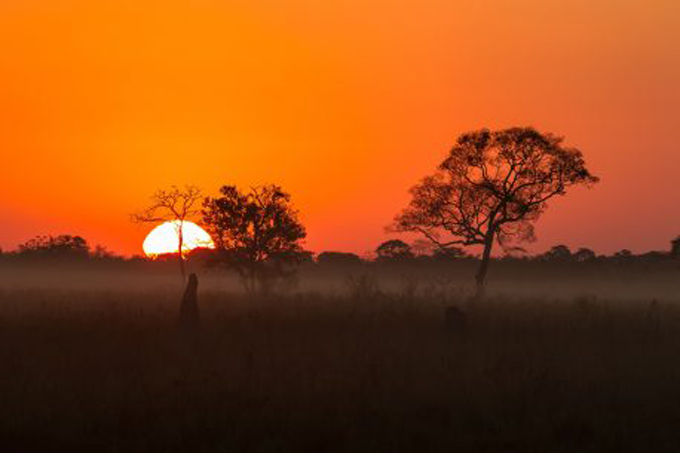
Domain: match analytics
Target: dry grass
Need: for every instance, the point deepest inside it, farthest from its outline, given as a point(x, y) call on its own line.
point(106, 371)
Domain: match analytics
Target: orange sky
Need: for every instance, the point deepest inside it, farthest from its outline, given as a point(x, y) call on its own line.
point(346, 103)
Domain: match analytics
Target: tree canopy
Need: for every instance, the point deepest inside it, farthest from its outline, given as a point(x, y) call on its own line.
point(62, 246)
point(338, 259)
point(490, 188)
point(394, 250)
point(256, 232)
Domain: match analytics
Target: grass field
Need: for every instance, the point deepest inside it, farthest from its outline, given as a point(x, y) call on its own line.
point(353, 371)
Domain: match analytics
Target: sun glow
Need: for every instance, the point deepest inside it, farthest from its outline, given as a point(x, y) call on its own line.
point(165, 239)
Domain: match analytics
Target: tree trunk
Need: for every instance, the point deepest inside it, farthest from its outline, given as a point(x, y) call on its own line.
point(180, 255)
point(247, 275)
point(182, 268)
point(484, 266)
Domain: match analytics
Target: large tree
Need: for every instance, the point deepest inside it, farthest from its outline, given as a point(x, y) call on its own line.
point(173, 205)
point(491, 188)
point(256, 232)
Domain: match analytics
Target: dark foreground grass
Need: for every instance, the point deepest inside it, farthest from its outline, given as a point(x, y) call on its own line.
point(107, 372)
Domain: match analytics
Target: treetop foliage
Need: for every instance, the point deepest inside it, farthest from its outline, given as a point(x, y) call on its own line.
point(394, 249)
point(64, 245)
point(493, 182)
point(256, 232)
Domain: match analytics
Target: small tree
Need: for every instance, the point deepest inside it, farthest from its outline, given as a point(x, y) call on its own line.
point(491, 188)
point(675, 248)
point(173, 205)
point(584, 254)
point(339, 259)
point(394, 250)
point(448, 254)
point(100, 252)
point(257, 233)
point(558, 253)
point(623, 255)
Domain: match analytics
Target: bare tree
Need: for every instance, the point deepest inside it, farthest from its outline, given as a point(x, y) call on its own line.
point(173, 205)
point(491, 188)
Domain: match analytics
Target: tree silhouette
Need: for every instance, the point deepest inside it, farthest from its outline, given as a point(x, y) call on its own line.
point(491, 188)
point(257, 233)
point(393, 250)
point(100, 252)
point(558, 253)
point(623, 255)
point(338, 259)
point(675, 248)
point(173, 205)
point(62, 246)
point(584, 254)
point(448, 254)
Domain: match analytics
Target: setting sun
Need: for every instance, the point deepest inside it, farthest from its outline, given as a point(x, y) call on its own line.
point(164, 239)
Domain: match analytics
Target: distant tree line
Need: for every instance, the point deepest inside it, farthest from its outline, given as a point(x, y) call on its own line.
point(489, 190)
point(61, 247)
point(68, 247)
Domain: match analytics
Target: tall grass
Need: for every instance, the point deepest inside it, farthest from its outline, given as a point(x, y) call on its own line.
point(359, 371)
